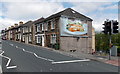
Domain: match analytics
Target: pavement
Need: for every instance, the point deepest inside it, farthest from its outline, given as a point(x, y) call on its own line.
point(113, 60)
point(31, 58)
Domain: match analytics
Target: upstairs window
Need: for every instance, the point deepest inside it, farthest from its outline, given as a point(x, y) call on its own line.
point(18, 29)
point(23, 30)
point(38, 28)
point(42, 27)
point(30, 29)
point(52, 24)
point(46, 26)
point(26, 29)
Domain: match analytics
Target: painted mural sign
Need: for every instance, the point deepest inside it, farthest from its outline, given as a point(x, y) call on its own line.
point(72, 27)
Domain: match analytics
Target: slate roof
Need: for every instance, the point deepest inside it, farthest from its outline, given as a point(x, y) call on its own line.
point(27, 23)
point(69, 12)
point(39, 20)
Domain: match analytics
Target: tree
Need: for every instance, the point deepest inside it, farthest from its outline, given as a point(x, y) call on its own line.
point(102, 41)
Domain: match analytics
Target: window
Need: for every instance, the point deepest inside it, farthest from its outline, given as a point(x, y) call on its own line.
point(39, 39)
point(19, 29)
point(38, 28)
point(30, 29)
point(53, 38)
point(30, 38)
point(42, 27)
point(52, 24)
point(18, 36)
point(46, 26)
point(26, 29)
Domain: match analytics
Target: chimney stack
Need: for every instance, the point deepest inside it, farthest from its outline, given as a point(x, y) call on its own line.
point(15, 25)
point(20, 23)
point(12, 26)
point(8, 27)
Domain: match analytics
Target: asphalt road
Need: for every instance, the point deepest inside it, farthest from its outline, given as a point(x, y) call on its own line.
point(27, 58)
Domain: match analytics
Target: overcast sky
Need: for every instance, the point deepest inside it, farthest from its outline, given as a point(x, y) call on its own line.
point(13, 11)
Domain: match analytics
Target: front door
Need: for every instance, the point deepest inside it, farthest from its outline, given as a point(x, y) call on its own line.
point(26, 39)
point(43, 43)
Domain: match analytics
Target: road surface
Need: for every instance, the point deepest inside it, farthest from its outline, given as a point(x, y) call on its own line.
point(27, 58)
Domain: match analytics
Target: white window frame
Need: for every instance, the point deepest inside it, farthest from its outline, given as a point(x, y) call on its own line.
point(18, 36)
point(38, 27)
point(52, 24)
point(18, 29)
point(30, 29)
point(26, 28)
point(46, 26)
point(53, 36)
point(42, 26)
point(39, 41)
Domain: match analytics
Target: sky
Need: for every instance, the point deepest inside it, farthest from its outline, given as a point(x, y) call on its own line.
point(13, 11)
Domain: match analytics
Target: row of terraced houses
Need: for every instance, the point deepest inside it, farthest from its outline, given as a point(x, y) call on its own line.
point(59, 31)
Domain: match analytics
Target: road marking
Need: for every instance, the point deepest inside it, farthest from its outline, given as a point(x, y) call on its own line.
point(16, 46)
point(11, 44)
point(10, 67)
point(71, 61)
point(37, 55)
point(9, 60)
point(2, 53)
point(23, 49)
point(42, 57)
point(28, 51)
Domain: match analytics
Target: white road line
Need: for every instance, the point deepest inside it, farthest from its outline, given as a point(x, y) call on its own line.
point(28, 52)
point(37, 55)
point(11, 67)
point(9, 60)
point(71, 61)
point(23, 49)
point(2, 53)
point(16, 46)
point(11, 44)
point(42, 57)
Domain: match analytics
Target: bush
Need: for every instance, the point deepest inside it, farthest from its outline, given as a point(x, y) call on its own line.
point(57, 46)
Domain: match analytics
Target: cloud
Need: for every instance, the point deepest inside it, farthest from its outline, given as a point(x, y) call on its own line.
point(87, 7)
point(60, 0)
point(98, 21)
point(109, 7)
point(5, 23)
point(25, 11)
point(31, 10)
